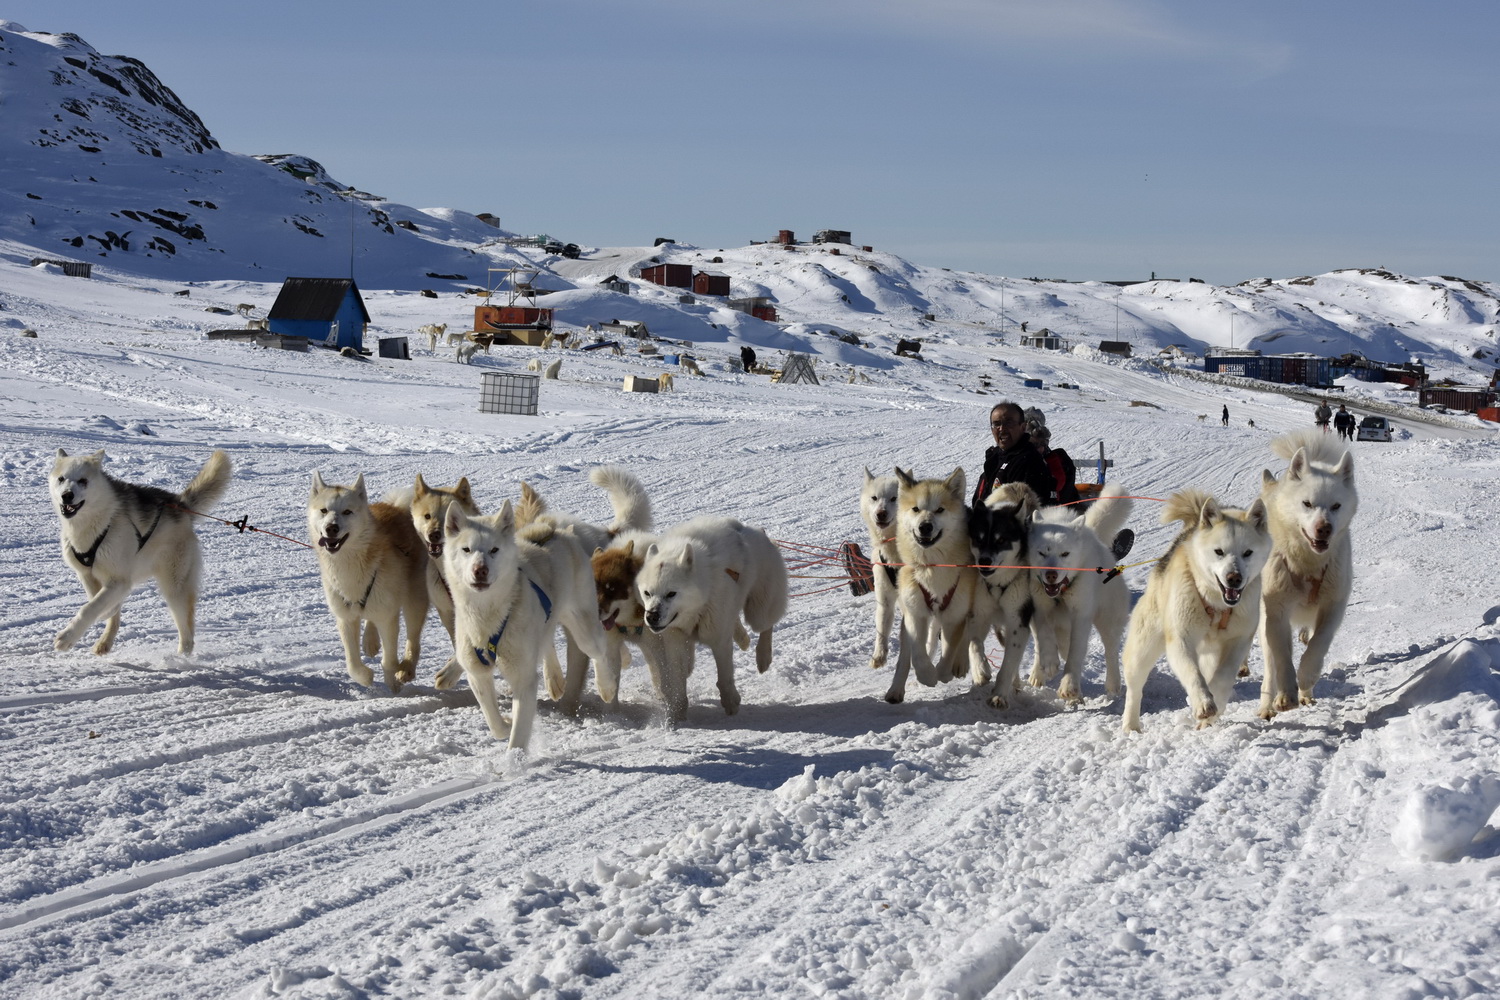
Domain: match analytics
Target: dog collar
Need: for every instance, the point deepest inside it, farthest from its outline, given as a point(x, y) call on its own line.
point(630, 629)
point(487, 653)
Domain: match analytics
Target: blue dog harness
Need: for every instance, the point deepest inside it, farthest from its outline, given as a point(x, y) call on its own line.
point(486, 653)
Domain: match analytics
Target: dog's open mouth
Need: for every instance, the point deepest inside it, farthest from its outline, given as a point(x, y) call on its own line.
point(1231, 595)
point(1317, 544)
point(1054, 588)
point(609, 623)
point(332, 543)
point(69, 509)
point(435, 549)
point(927, 541)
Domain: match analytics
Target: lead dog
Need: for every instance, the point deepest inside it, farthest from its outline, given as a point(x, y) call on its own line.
point(1311, 569)
point(116, 534)
point(694, 584)
point(374, 569)
point(1200, 604)
point(936, 583)
point(1070, 592)
point(511, 590)
point(999, 532)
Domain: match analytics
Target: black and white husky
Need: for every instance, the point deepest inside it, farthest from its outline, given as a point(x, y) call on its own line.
point(116, 534)
point(998, 539)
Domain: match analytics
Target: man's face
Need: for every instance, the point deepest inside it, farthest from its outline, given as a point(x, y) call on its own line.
point(1006, 425)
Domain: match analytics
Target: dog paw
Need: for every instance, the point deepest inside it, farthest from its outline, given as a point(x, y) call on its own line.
point(1244, 670)
point(1037, 678)
point(731, 705)
point(877, 661)
point(361, 674)
point(448, 676)
point(895, 697)
point(1131, 726)
point(1284, 703)
point(406, 673)
point(1206, 712)
point(998, 701)
point(66, 639)
point(1306, 698)
point(1069, 690)
point(105, 645)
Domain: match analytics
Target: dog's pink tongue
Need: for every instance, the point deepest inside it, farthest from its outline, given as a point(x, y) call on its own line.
point(609, 623)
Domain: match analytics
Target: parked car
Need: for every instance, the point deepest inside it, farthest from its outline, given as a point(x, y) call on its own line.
point(552, 246)
point(1374, 428)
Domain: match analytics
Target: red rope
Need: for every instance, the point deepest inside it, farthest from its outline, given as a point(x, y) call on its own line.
point(243, 524)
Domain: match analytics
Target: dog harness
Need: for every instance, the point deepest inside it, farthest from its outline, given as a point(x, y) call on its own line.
point(1223, 616)
point(487, 653)
point(631, 629)
point(943, 604)
point(363, 600)
point(87, 558)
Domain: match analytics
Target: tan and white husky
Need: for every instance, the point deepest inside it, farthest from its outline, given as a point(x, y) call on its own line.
point(936, 583)
point(374, 569)
point(1311, 571)
point(1201, 604)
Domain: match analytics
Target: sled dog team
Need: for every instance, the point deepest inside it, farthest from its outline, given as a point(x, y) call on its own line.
point(503, 584)
point(1023, 572)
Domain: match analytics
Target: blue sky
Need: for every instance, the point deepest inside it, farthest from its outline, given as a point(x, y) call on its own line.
point(1052, 138)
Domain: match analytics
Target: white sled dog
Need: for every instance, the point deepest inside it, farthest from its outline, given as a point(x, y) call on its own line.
point(116, 534)
point(936, 583)
point(999, 531)
point(877, 508)
point(374, 569)
point(1311, 570)
point(1200, 605)
point(694, 583)
point(511, 590)
point(632, 510)
point(1071, 594)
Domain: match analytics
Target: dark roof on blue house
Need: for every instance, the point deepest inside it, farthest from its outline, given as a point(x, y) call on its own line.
point(315, 299)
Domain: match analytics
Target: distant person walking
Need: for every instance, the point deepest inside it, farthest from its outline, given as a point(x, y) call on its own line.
point(1226, 415)
point(1343, 422)
point(1322, 415)
point(747, 357)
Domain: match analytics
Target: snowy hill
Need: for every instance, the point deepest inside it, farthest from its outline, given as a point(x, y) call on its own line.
point(247, 822)
point(105, 164)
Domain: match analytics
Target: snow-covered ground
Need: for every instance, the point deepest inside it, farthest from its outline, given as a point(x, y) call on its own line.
point(245, 822)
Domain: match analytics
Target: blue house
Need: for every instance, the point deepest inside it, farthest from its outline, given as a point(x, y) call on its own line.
point(327, 311)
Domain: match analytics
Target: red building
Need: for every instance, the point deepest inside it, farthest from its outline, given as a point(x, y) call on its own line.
point(670, 275)
point(709, 283)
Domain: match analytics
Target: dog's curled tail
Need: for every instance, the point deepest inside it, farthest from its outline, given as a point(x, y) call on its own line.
point(1187, 506)
point(1325, 449)
point(1106, 515)
point(530, 507)
point(627, 496)
point(209, 485)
